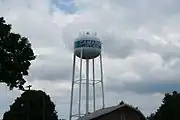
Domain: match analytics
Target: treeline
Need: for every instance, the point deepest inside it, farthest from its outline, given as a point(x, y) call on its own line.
point(169, 109)
point(16, 54)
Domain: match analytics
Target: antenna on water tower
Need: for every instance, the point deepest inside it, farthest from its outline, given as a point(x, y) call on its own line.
point(87, 47)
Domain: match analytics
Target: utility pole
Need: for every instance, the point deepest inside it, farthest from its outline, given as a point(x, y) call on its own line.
point(28, 106)
point(29, 87)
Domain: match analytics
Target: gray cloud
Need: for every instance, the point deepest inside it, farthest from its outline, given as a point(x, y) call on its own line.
point(140, 46)
point(50, 72)
point(51, 67)
point(121, 48)
point(147, 87)
point(148, 81)
point(128, 19)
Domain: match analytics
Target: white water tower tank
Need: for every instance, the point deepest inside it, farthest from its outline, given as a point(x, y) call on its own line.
point(90, 45)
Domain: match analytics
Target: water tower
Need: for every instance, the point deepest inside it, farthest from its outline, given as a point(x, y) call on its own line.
point(87, 48)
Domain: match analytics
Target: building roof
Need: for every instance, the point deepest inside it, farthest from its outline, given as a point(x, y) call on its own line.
point(104, 111)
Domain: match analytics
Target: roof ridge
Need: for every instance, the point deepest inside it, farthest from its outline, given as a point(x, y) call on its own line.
point(106, 110)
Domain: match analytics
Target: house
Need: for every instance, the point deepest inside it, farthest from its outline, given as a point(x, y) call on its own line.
point(119, 112)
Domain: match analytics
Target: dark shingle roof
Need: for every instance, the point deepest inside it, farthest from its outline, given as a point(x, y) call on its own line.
point(104, 111)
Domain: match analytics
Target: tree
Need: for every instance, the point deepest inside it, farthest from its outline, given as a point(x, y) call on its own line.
point(169, 110)
point(151, 117)
point(121, 103)
point(32, 105)
point(15, 56)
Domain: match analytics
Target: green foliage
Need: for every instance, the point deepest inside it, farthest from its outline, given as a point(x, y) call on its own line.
point(121, 103)
point(15, 56)
point(169, 110)
point(32, 105)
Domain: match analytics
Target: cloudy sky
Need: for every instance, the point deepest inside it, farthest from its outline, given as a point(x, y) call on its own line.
point(141, 47)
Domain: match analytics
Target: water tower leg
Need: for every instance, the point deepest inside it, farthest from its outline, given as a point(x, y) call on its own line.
point(87, 86)
point(102, 85)
point(72, 88)
point(94, 101)
point(80, 80)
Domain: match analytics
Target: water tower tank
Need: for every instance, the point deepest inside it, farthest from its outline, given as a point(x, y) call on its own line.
point(90, 45)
